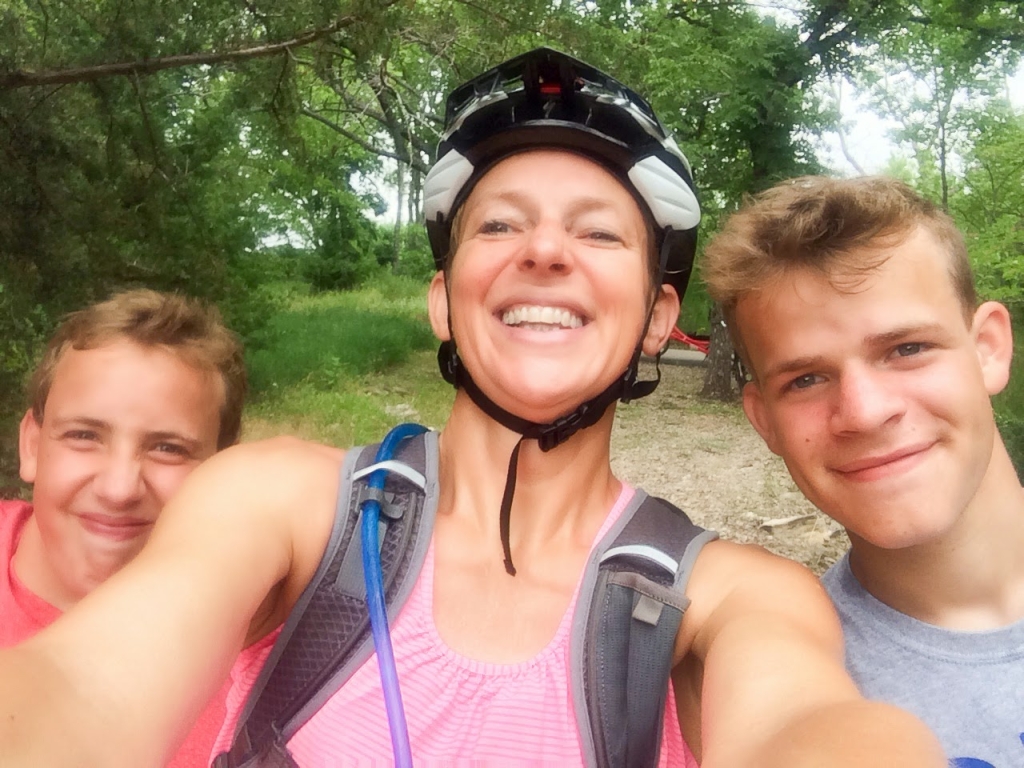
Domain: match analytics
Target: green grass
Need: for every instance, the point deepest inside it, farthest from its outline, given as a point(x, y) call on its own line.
point(343, 368)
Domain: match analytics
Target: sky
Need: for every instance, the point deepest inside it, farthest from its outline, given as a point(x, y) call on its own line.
point(867, 134)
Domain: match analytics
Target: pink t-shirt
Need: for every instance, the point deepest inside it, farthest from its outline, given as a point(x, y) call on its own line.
point(23, 613)
point(460, 712)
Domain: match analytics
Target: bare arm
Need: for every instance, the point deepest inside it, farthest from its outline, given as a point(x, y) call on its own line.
point(118, 679)
point(766, 656)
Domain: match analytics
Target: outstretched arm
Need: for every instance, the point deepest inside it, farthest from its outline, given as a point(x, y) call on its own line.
point(766, 656)
point(118, 679)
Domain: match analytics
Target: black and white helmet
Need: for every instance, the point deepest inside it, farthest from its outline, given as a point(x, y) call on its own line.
point(547, 99)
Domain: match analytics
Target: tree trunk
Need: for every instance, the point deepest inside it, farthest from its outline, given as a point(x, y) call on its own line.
point(718, 377)
point(396, 235)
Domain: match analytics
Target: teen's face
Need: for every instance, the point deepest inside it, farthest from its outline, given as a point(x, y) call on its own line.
point(549, 286)
point(877, 395)
point(122, 427)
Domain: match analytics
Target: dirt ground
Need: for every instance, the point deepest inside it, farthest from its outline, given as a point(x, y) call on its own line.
point(707, 459)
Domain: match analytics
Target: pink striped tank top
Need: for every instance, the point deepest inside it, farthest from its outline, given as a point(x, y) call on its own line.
point(460, 712)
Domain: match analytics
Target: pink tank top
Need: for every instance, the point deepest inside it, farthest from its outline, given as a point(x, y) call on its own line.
point(460, 712)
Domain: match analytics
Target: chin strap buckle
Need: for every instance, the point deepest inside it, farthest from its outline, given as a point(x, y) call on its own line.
point(560, 430)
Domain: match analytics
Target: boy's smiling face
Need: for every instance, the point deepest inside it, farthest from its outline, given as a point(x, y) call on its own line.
point(122, 427)
point(875, 390)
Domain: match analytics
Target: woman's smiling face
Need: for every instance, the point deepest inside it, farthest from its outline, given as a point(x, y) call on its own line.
point(549, 286)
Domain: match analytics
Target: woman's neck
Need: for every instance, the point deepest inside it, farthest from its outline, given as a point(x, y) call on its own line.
point(565, 492)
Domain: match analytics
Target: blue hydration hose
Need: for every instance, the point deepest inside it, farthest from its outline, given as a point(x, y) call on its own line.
point(374, 577)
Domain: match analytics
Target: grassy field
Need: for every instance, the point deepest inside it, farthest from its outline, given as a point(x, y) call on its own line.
point(343, 368)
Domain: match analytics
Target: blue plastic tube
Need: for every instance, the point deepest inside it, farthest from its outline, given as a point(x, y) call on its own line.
point(374, 577)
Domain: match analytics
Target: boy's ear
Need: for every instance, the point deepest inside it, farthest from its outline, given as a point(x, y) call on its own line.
point(993, 342)
point(28, 446)
point(437, 307)
point(663, 320)
point(757, 415)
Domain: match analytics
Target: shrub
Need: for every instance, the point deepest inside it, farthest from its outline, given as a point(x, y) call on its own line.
point(1012, 430)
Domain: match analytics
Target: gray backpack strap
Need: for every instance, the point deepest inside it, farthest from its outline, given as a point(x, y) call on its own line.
point(624, 635)
point(327, 635)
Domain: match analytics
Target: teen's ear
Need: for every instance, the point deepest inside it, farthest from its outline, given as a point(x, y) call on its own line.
point(437, 307)
point(663, 320)
point(993, 343)
point(28, 446)
point(757, 415)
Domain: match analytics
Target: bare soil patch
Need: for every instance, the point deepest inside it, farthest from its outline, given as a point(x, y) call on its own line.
point(705, 458)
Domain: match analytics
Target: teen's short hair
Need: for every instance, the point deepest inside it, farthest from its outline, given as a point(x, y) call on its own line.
point(186, 327)
point(828, 225)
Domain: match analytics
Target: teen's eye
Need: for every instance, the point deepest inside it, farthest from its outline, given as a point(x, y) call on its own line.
point(910, 349)
point(80, 435)
point(171, 449)
point(805, 381)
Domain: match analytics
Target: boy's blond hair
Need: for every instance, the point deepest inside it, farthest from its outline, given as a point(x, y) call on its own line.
point(838, 227)
point(186, 327)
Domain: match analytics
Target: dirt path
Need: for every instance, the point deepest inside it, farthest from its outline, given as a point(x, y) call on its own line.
point(708, 460)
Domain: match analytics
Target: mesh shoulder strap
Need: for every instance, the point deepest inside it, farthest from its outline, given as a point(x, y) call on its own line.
point(327, 635)
point(631, 604)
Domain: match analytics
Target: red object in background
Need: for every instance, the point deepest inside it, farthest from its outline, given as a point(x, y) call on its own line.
point(700, 343)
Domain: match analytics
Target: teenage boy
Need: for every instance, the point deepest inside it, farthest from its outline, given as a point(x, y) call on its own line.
point(130, 396)
point(853, 305)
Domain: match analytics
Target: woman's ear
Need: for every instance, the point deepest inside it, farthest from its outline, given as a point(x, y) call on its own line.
point(663, 320)
point(437, 307)
point(993, 342)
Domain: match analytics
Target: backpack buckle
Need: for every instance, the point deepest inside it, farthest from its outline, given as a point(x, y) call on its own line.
point(386, 500)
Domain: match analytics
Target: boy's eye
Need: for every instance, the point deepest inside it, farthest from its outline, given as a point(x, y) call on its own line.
point(909, 349)
point(172, 449)
point(805, 381)
point(80, 434)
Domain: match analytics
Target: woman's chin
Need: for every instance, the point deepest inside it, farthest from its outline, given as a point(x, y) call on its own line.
point(541, 402)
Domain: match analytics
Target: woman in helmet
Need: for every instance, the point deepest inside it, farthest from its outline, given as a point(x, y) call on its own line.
point(563, 221)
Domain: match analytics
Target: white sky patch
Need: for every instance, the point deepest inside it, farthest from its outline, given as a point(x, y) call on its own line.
point(868, 135)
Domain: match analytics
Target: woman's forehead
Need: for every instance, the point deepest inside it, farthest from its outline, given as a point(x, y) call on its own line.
point(541, 174)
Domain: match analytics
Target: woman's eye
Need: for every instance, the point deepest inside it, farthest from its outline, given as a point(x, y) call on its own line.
point(495, 227)
point(603, 236)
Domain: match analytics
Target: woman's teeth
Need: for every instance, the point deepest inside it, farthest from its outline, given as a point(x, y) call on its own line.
point(541, 318)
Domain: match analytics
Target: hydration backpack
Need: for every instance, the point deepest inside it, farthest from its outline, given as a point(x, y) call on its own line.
point(624, 627)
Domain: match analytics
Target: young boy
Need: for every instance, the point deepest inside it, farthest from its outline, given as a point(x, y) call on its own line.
point(130, 396)
point(853, 305)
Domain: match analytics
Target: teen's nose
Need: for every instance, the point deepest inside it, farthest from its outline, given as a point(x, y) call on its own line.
point(864, 401)
point(119, 481)
point(547, 249)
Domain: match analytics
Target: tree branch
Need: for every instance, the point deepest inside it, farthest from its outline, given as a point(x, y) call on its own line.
point(360, 141)
point(23, 79)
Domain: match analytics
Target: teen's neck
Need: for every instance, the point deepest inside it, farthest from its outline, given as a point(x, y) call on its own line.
point(32, 566)
point(971, 578)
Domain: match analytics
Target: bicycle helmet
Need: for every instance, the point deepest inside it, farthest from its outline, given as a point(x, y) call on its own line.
point(546, 99)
